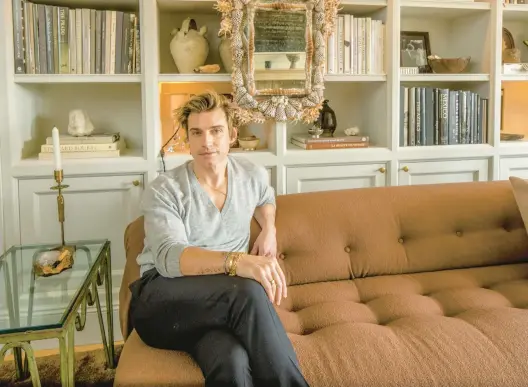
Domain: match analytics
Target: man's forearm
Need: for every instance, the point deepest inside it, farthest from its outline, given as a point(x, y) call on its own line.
point(198, 261)
point(265, 216)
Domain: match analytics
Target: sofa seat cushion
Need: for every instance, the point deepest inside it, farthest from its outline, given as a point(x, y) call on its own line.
point(424, 329)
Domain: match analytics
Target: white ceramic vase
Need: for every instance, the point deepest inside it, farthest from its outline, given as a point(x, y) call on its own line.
point(189, 47)
point(225, 53)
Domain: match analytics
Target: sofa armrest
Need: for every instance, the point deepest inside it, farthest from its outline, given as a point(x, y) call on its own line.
point(134, 241)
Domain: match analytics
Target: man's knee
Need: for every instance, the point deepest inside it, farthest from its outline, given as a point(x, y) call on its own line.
point(251, 290)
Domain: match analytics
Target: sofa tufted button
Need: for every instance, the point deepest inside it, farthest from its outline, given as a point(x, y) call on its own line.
point(347, 249)
point(459, 233)
point(400, 240)
point(282, 256)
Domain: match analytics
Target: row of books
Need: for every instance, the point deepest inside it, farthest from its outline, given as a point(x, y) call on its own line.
point(437, 116)
point(356, 46)
point(85, 147)
point(50, 39)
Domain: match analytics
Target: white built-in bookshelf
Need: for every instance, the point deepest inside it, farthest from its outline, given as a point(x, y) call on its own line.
point(105, 192)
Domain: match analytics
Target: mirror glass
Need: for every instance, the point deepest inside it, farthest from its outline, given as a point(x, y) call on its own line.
point(279, 56)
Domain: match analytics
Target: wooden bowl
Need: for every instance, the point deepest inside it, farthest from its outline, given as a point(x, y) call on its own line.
point(449, 65)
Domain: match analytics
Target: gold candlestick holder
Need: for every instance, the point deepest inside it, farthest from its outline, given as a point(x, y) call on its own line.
point(55, 264)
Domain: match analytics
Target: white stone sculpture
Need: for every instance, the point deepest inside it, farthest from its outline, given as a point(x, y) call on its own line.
point(189, 47)
point(79, 123)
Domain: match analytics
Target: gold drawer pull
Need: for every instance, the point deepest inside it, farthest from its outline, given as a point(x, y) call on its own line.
point(405, 168)
point(382, 169)
point(136, 183)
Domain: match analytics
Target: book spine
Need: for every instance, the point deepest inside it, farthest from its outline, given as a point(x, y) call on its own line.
point(72, 38)
point(18, 31)
point(418, 118)
point(412, 117)
point(81, 147)
point(42, 39)
point(55, 19)
point(63, 41)
point(443, 116)
point(49, 39)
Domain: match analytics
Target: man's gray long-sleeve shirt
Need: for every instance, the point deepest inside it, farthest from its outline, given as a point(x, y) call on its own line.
point(179, 213)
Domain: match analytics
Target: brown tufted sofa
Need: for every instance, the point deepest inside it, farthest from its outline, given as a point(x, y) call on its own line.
point(412, 286)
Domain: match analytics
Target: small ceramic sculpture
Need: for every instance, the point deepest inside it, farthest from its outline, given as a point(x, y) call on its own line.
point(79, 123)
point(353, 131)
point(189, 47)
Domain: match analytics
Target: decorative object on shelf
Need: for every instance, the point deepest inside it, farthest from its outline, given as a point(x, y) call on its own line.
point(448, 65)
point(79, 123)
point(409, 70)
point(414, 50)
point(189, 46)
point(353, 131)
point(327, 120)
point(511, 136)
point(510, 54)
point(263, 32)
point(249, 143)
point(293, 58)
point(60, 258)
point(315, 131)
point(224, 48)
point(207, 69)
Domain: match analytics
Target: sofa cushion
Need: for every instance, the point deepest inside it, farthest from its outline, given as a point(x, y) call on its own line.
point(463, 327)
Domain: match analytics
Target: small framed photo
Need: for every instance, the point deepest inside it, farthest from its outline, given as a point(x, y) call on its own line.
point(414, 50)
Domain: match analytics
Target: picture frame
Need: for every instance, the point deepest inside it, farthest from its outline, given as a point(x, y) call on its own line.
point(415, 48)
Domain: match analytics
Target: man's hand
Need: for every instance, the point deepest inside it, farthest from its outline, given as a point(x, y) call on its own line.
point(267, 271)
point(266, 243)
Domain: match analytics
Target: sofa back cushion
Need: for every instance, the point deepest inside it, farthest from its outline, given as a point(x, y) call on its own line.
point(336, 235)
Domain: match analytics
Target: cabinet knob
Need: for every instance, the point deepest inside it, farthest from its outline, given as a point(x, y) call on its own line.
point(405, 168)
point(136, 183)
point(382, 169)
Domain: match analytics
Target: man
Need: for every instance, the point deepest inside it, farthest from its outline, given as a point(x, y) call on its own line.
point(200, 291)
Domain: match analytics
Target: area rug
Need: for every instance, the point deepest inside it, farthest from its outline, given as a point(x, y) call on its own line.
point(90, 371)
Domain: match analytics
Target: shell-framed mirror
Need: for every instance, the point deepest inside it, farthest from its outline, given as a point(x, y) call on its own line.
point(278, 48)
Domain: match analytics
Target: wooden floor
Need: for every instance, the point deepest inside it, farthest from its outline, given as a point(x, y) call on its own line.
point(79, 348)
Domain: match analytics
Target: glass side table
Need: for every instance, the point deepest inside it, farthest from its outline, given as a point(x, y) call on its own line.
point(37, 308)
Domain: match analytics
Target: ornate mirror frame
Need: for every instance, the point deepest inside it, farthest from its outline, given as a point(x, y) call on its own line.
point(279, 104)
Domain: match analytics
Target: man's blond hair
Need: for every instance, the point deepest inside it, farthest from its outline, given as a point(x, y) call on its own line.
point(205, 102)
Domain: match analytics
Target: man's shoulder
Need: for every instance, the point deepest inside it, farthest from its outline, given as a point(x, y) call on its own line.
point(245, 167)
point(176, 178)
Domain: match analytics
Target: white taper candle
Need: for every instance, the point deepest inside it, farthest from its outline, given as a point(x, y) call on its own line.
point(56, 149)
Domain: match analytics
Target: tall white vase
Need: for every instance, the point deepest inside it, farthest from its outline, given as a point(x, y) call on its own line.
point(189, 47)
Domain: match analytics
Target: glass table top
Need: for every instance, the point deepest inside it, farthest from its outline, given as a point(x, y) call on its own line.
point(30, 302)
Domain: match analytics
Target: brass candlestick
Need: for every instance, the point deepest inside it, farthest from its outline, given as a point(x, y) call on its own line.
point(55, 265)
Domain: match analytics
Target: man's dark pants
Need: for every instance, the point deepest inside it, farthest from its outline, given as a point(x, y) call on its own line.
point(227, 324)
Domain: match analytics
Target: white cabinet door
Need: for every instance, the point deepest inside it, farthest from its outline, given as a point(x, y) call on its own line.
point(513, 166)
point(95, 208)
point(450, 171)
point(335, 177)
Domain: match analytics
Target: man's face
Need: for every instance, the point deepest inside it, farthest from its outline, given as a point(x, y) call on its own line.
point(209, 139)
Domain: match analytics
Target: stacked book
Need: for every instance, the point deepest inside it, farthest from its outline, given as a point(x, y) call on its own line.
point(85, 147)
point(337, 142)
